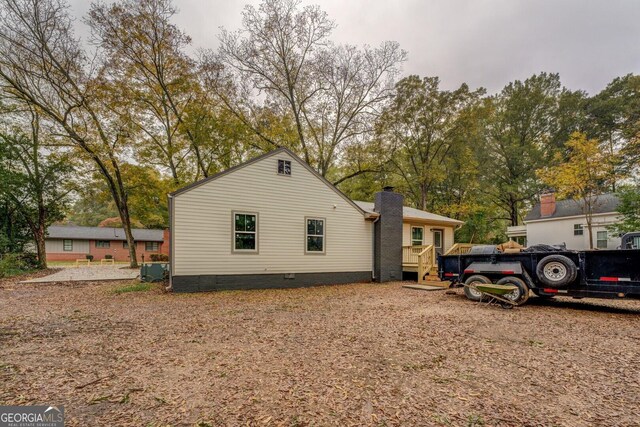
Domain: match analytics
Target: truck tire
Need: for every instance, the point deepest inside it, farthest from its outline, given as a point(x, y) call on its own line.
point(520, 296)
point(473, 294)
point(556, 271)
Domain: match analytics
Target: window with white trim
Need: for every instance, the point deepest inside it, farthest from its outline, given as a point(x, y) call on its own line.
point(245, 232)
point(67, 245)
point(284, 167)
point(417, 236)
point(602, 239)
point(102, 244)
point(314, 235)
point(578, 230)
point(151, 246)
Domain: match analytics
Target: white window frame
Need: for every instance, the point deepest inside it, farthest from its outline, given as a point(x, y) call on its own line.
point(64, 245)
point(153, 244)
point(605, 240)
point(411, 235)
point(108, 244)
point(233, 233)
point(284, 164)
point(323, 235)
point(576, 228)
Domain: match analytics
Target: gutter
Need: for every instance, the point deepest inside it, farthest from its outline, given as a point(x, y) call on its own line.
point(171, 250)
point(373, 246)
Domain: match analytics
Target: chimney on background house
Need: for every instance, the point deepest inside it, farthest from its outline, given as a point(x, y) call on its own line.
point(547, 204)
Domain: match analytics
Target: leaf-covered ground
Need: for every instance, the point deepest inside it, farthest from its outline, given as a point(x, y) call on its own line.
point(363, 354)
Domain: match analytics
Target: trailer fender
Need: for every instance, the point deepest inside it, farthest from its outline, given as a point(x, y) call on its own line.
point(500, 268)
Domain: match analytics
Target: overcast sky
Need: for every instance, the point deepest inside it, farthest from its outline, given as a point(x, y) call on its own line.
point(482, 42)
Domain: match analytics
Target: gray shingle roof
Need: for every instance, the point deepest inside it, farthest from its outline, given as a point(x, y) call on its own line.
point(606, 203)
point(408, 212)
point(102, 233)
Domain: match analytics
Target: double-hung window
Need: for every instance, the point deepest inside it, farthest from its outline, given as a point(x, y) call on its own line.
point(417, 236)
point(315, 235)
point(602, 240)
point(102, 244)
point(67, 245)
point(151, 246)
point(245, 232)
point(578, 230)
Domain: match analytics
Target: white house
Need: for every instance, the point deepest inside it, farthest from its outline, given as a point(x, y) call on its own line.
point(556, 222)
point(275, 222)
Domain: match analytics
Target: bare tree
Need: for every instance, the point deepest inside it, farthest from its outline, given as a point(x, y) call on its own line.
point(148, 69)
point(42, 65)
point(283, 57)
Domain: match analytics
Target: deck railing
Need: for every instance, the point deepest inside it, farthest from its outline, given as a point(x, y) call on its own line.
point(410, 254)
point(460, 249)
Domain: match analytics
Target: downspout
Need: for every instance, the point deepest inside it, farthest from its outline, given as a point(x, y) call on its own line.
point(171, 249)
point(373, 248)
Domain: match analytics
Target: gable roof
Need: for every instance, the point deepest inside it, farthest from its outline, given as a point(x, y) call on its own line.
point(607, 203)
point(262, 157)
point(408, 213)
point(103, 233)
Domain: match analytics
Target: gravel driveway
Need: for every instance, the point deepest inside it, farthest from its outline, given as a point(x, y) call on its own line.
point(90, 273)
point(337, 355)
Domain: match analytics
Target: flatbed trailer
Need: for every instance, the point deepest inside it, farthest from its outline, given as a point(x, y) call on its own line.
point(579, 274)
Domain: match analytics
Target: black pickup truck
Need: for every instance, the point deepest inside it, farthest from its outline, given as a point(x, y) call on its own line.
point(548, 271)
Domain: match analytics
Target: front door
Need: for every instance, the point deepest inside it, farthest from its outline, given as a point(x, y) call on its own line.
point(438, 240)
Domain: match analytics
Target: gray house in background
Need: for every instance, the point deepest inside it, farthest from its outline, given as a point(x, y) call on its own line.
point(275, 222)
point(563, 221)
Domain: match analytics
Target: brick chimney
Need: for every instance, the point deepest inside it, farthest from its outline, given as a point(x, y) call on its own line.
point(547, 204)
point(388, 235)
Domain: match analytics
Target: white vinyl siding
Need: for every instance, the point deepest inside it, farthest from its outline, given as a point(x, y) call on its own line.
point(54, 246)
point(561, 230)
point(202, 224)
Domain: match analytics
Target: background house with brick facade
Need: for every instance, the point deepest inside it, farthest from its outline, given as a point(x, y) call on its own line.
point(68, 243)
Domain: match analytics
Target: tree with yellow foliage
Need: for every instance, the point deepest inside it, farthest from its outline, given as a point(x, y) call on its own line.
point(583, 176)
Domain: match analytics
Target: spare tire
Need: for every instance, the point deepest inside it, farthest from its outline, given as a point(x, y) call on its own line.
point(556, 271)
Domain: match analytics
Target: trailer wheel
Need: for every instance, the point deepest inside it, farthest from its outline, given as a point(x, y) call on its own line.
point(473, 294)
point(556, 271)
point(519, 296)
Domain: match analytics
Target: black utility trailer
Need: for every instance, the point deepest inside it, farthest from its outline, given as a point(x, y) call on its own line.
point(547, 272)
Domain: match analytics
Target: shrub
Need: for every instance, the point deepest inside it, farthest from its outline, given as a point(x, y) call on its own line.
point(30, 260)
point(12, 264)
point(89, 257)
point(159, 257)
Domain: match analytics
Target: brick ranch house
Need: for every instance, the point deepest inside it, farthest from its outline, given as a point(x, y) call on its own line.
point(68, 243)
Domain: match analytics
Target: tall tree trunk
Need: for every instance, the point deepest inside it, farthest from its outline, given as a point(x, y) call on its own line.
point(590, 232)
point(39, 237)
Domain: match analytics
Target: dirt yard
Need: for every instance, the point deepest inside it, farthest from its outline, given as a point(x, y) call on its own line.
point(376, 355)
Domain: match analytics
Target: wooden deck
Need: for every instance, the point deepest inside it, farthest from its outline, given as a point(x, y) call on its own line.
point(422, 259)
